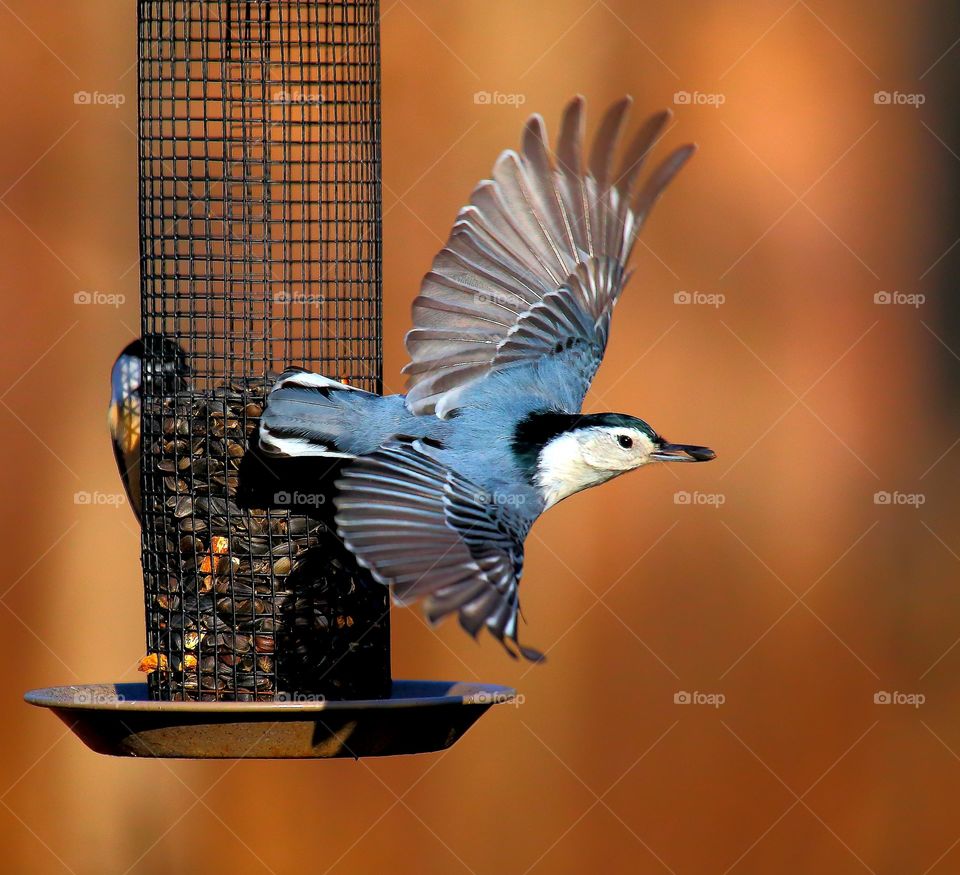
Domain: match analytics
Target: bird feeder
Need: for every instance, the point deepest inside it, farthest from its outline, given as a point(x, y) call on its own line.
point(260, 239)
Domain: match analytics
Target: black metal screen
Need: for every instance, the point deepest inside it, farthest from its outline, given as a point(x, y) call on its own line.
point(260, 249)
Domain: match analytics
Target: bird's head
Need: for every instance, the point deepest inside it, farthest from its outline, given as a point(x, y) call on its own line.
point(566, 453)
point(154, 365)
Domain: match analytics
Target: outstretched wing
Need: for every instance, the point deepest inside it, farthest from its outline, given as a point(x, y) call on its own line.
point(429, 533)
point(537, 260)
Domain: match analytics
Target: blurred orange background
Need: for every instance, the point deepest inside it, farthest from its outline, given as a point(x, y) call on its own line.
point(791, 307)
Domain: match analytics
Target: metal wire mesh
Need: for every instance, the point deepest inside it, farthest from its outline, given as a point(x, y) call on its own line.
point(260, 248)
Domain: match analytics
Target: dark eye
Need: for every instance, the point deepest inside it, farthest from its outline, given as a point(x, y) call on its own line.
point(625, 441)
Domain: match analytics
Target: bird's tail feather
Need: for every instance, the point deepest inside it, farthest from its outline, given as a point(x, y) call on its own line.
point(304, 416)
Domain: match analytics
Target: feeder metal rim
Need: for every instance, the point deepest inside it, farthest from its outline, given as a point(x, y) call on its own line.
point(419, 717)
point(131, 697)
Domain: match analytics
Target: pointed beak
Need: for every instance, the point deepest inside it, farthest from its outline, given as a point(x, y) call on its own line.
point(683, 453)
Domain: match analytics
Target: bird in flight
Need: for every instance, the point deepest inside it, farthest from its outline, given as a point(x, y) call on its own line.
point(439, 487)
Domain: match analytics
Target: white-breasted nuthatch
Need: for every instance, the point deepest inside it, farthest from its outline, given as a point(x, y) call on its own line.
point(444, 483)
point(129, 380)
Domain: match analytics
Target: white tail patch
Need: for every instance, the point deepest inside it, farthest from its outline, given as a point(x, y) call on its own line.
point(307, 380)
point(292, 423)
point(296, 447)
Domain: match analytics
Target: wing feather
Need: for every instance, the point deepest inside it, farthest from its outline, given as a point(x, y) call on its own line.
point(537, 259)
point(431, 534)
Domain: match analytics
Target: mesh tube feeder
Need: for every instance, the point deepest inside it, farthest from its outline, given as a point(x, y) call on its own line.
point(260, 243)
point(260, 238)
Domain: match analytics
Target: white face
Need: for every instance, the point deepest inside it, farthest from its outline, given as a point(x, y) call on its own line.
point(578, 459)
point(615, 450)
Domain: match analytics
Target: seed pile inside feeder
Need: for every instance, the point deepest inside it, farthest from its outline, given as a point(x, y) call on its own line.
point(245, 603)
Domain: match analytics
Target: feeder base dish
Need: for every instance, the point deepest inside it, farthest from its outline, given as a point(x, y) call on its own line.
point(418, 717)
